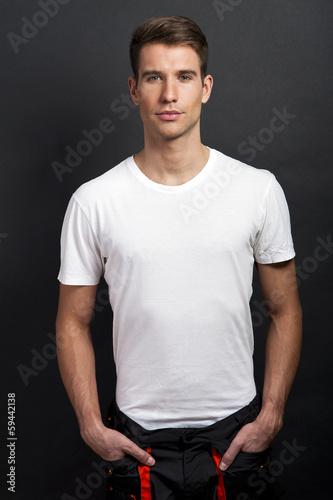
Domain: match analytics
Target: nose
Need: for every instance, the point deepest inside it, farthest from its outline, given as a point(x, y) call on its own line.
point(169, 92)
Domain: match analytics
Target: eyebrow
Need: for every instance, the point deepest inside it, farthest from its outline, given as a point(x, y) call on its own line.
point(180, 72)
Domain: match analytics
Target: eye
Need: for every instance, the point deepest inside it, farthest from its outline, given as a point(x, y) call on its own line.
point(153, 78)
point(185, 77)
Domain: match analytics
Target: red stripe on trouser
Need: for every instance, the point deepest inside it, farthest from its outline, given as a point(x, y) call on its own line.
point(220, 488)
point(144, 471)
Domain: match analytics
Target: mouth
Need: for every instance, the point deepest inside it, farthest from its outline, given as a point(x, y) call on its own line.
point(169, 115)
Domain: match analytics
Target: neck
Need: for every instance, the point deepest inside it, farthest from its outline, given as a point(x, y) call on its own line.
point(172, 162)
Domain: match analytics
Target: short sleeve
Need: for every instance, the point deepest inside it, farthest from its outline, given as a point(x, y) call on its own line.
point(81, 260)
point(274, 240)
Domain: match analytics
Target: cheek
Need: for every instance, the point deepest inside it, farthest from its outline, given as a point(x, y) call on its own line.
point(196, 105)
point(194, 99)
point(148, 94)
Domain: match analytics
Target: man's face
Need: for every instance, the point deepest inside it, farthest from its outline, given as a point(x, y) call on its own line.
point(169, 90)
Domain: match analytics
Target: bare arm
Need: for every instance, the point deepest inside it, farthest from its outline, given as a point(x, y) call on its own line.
point(76, 360)
point(283, 348)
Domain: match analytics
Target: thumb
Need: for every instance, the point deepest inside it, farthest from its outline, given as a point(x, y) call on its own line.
point(141, 455)
point(229, 456)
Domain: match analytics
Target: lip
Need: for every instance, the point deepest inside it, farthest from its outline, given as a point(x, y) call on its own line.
point(169, 115)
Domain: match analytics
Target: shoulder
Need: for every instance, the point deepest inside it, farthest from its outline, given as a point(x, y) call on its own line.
point(110, 182)
point(242, 173)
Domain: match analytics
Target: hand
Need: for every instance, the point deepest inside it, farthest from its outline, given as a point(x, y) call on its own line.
point(253, 437)
point(112, 445)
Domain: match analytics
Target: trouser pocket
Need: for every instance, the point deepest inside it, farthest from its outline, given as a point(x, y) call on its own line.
point(247, 462)
point(123, 481)
point(249, 477)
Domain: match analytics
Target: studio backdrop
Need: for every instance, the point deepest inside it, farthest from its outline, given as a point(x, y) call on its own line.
point(66, 117)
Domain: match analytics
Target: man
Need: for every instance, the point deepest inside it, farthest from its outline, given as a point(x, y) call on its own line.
point(176, 230)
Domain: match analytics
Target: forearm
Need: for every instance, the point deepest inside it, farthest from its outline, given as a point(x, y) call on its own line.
point(283, 348)
point(76, 360)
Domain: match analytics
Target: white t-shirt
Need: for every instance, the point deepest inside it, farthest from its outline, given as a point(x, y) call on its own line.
point(178, 261)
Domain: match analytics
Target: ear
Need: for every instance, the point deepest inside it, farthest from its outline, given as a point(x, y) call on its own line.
point(133, 90)
point(207, 88)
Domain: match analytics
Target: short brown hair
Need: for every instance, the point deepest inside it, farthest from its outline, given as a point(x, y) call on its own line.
point(170, 30)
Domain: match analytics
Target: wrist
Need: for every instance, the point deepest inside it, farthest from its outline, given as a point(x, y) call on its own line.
point(270, 418)
point(91, 427)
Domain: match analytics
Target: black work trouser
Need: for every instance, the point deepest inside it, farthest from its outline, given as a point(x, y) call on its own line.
point(187, 462)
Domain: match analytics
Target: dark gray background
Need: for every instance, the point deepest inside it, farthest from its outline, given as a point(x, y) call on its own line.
point(264, 55)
